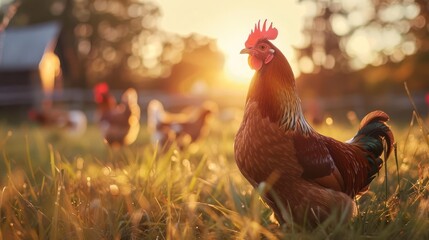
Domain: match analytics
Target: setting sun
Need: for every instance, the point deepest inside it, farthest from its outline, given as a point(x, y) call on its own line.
point(237, 70)
point(235, 67)
point(231, 26)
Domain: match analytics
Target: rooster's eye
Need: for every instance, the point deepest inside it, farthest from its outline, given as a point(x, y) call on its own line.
point(262, 47)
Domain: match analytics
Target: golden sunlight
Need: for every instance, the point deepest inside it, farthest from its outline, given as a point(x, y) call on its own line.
point(231, 25)
point(236, 67)
point(235, 71)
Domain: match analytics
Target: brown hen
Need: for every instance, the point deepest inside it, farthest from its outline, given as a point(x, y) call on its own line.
point(72, 122)
point(181, 128)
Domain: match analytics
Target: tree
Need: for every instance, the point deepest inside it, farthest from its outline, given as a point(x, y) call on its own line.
point(116, 41)
point(201, 62)
point(109, 36)
point(96, 40)
point(349, 42)
point(350, 35)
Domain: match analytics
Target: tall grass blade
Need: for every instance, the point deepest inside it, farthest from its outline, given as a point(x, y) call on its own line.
point(170, 227)
point(197, 172)
point(52, 161)
point(29, 160)
point(418, 116)
point(55, 216)
point(395, 151)
point(386, 185)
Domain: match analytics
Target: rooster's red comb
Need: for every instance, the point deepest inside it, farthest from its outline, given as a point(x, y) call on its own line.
point(99, 90)
point(258, 33)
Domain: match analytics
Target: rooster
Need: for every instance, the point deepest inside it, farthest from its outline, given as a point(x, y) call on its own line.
point(184, 128)
point(119, 123)
point(307, 176)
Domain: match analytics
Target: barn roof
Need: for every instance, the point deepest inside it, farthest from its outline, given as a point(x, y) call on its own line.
point(22, 48)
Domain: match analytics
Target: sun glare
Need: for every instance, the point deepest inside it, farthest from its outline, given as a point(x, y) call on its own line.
point(237, 71)
point(236, 68)
point(231, 26)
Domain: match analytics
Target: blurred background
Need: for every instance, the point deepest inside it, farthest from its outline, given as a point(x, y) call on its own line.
point(348, 55)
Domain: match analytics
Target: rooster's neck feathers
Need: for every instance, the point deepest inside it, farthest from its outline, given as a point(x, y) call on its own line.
point(273, 88)
point(293, 118)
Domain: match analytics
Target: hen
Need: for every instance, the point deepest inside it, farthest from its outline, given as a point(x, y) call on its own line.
point(119, 123)
point(73, 122)
point(308, 176)
point(183, 128)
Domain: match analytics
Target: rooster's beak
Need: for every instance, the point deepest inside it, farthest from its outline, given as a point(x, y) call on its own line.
point(246, 51)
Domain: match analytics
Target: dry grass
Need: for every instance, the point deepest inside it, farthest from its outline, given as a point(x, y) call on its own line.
point(56, 187)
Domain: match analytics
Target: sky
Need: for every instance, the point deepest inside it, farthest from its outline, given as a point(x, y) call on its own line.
point(230, 22)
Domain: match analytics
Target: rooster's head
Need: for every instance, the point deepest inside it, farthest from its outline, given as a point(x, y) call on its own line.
point(273, 84)
point(260, 50)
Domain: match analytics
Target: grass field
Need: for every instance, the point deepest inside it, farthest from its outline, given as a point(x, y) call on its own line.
point(57, 187)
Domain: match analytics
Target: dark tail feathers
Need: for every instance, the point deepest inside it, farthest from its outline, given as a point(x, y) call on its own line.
point(376, 137)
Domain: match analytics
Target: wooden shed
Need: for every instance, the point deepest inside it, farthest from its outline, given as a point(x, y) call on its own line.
point(29, 69)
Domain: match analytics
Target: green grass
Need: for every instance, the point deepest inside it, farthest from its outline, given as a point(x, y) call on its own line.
point(56, 187)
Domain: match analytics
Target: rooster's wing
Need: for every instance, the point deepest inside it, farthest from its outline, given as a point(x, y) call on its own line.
point(316, 160)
